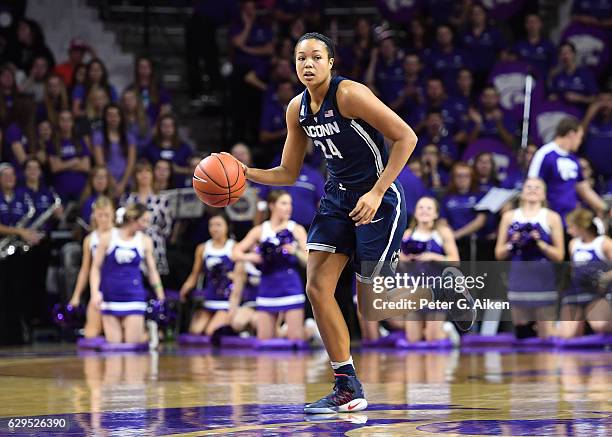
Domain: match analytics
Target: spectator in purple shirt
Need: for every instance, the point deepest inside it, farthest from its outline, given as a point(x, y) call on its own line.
point(44, 136)
point(418, 37)
point(19, 135)
point(491, 121)
point(444, 59)
point(136, 121)
point(593, 12)
point(99, 183)
point(413, 186)
point(514, 180)
point(252, 40)
point(435, 132)
point(557, 164)
point(569, 82)
point(482, 42)
point(167, 145)
point(597, 125)
point(153, 95)
point(8, 92)
point(385, 74)
point(457, 207)
point(412, 92)
point(538, 51)
point(96, 76)
point(69, 159)
point(435, 177)
point(114, 148)
point(163, 179)
point(273, 126)
point(55, 99)
point(356, 56)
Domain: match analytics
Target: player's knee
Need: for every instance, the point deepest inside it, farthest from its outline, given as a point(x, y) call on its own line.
point(316, 292)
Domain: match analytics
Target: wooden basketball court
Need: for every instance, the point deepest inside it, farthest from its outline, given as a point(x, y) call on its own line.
point(191, 392)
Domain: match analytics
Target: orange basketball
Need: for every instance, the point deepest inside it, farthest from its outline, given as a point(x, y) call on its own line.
point(219, 180)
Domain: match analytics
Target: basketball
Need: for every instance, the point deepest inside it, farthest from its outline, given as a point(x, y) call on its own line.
point(219, 180)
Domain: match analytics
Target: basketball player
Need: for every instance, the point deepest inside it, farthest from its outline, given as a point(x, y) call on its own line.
point(102, 219)
point(116, 280)
point(591, 256)
point(214, 259)
point(362, 214)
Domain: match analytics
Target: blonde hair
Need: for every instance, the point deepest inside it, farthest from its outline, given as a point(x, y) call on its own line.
point(133, 212)
point(91, 112)
point(101, 202)
point(583, 219)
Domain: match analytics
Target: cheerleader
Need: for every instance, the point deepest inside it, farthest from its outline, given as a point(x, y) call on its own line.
point(116, 280)
point(243, 299)
point(214, 259)
point(590, 254)
point(424, 243)
point(102, 219)
point(277, 245)
point(531, 236)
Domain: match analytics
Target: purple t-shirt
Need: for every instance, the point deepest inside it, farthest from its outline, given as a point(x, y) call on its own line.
point(115, 161)
point(259, 36)
point(78, 93)
point(592, 45)
point(12, 211)
point(561, 172)
point(179, 156)
point(458, 209)
point(42, 200)
point(541, 56)
point(389, 79)
point(598, 145)
point(504, 156)
point(489, 129)
point(581, 81)
point(87, 207)
point(69, 183)
point(14, 134)
point(306, 194)
point(414, 188)
point(483, 49)
point(447, 65)
point(445, 144)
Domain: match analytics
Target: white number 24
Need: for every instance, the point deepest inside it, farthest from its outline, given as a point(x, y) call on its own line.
point(333, 150)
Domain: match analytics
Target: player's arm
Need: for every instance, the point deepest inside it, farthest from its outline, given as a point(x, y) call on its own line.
point(192, 279)
point(96, 268)
point(356, 101)
point(83, 273)
point(293, 153)
point(154, 278)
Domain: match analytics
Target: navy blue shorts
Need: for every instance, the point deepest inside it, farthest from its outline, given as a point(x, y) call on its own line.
point(374, 247)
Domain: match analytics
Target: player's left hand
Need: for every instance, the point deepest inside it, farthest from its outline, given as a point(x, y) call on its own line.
point(366, 208)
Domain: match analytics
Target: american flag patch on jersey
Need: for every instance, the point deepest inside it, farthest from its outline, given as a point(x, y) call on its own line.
point(328, 113)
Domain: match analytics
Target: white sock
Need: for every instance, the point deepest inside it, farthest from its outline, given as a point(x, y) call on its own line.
point(336, 365)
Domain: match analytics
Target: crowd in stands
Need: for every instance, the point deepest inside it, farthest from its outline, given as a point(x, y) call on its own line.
point(454, 71)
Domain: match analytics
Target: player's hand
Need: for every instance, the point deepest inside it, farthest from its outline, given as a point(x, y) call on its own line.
point(366, 208)
point(244, 167)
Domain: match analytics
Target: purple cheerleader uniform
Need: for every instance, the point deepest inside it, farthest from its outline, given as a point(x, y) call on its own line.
point(121, 279)
point(532, 279)
point(217, 264)
point(588, 262)
point(249, 292)
point(280, 288)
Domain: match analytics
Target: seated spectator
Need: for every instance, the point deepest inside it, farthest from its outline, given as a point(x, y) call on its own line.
point(435, 177)
point(34, 84)
point(154, 97)
point(592, 13)
point(8, 92)
point(557, 164)
point(44, 136)
point(97, 99)
point(597, 125)
point(491, 121)
point(136, 121)
point(99, 183)
point(167, 145)
point(418, 37)
point(355, 56)
point(19, 135)
point(457, 207)
point(570, 83)
point(482, 42)
point(30, 43)
point(273, 126)
point(437, 100)
point(162, 175)
point(55, 99)
point(413, 90)
point(114, 148)
point(69, 159)
point(514, 179)
point(76, 55)
point(444, 59)
point(413, 185)
point(385, 74)
point(463, 97)
point(436, 132)
point(281, 70)
point(96, 76)
point(538, 51)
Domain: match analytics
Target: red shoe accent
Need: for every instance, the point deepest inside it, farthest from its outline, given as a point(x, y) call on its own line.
point(351, 407)
point(340, 374)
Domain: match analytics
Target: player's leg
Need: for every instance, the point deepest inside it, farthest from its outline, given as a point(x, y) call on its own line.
point(295, 323)
point(599, 316)
point(134, 328)
point(266, 325)
point(199, 320)
point(112, 328)
point(322, 273)
point(219, 318)
point(93, 320)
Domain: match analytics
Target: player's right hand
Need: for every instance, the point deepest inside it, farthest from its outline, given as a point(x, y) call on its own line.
point(244, 167)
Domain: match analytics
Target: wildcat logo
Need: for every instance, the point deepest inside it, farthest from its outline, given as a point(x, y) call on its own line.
point(124, 256)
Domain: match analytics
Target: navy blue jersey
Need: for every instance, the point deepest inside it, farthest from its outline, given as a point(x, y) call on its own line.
point(354, 151)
